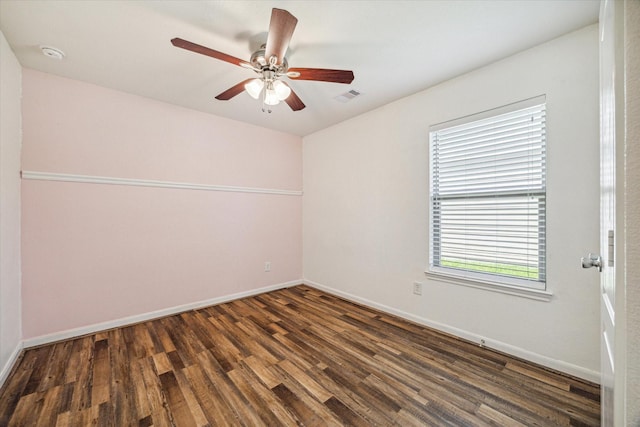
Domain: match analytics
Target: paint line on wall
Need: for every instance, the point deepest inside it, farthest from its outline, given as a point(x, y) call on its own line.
point(91, 179)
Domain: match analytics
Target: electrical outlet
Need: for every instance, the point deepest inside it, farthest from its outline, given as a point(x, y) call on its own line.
point(267, 266)
point(417, 288)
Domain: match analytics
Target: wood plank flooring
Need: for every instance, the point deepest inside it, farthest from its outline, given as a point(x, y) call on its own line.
point(296, 356)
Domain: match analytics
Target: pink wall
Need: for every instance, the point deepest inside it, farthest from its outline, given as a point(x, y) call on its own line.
point(96, 253)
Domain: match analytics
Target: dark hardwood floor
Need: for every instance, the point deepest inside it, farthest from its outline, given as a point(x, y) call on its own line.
point(296, 356)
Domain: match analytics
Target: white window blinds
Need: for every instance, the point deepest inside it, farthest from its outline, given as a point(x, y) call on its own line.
point(488, 196)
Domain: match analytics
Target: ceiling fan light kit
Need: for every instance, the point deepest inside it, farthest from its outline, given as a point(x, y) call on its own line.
point(274, 90)
point(254, 87)
point(270, 64)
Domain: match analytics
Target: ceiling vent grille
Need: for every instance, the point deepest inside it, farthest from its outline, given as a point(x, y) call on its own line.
point(347, 96)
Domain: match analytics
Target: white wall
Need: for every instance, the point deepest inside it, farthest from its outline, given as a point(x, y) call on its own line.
point(365, 207)
point(10, 141)
point(632, 211)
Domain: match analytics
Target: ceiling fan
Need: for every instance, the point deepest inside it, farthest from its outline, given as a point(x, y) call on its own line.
point(270, 63)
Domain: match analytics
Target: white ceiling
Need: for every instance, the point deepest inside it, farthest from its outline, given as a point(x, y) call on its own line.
point(395, 48)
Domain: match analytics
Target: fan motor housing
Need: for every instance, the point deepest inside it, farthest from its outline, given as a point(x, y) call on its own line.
point(258, 60)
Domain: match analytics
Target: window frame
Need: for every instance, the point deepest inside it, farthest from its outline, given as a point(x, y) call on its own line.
point(536, 289)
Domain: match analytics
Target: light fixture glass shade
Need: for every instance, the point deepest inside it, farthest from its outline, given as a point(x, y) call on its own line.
point(254, 87)
point(282, 90)
point(271, 97)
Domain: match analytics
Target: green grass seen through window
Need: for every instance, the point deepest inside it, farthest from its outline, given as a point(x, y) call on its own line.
point(511, 270)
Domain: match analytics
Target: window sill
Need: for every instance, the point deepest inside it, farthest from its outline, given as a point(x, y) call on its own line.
point(535, 294)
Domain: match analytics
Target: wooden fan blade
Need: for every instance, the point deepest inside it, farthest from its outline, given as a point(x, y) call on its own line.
point(280, 31)
point(294, 101)
point(323, 75)
point(184, 44)
point(233, 91)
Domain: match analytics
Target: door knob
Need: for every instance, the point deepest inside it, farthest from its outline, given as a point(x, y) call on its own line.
point(592, 261)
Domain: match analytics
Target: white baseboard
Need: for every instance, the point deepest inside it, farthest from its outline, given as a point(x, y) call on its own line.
point(130, 320)
point(6, 369)
point(558, 365)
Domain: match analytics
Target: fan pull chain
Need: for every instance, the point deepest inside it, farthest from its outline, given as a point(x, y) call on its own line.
point(268, 109)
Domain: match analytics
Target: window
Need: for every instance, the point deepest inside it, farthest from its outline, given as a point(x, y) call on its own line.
point(487, 197)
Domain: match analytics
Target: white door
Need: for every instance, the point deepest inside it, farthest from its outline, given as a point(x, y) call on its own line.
point(607, 204)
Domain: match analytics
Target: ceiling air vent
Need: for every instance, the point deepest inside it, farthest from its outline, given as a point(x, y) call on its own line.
point(347, 96)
